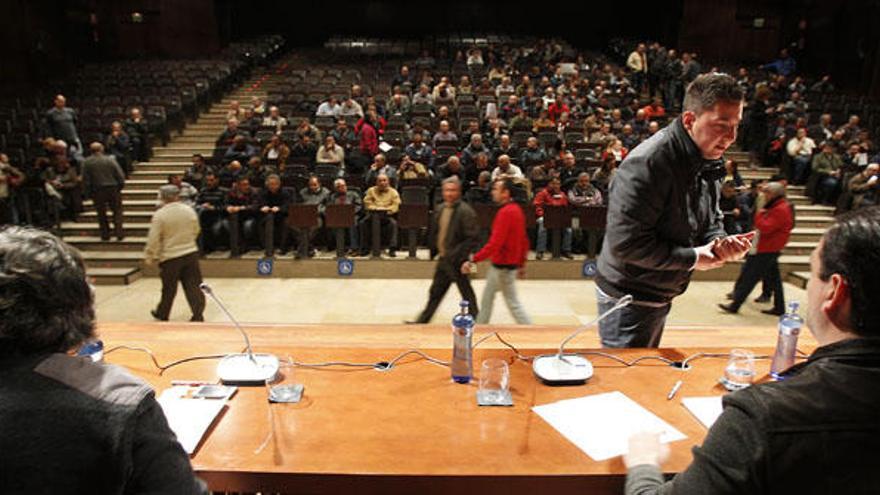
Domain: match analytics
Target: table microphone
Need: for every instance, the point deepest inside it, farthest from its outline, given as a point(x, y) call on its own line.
point(571, 369)
point(247, 368)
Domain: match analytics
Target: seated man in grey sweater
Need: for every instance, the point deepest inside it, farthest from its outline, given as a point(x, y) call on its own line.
point(68, 425)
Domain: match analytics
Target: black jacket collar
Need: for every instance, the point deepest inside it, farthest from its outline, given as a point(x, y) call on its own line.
point(688, 147)
point(865, 351)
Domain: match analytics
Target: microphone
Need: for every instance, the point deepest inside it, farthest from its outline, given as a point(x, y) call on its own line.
point(571, 369)
point(247, 368)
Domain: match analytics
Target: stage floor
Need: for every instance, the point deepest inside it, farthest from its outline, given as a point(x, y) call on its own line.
point(341, 301)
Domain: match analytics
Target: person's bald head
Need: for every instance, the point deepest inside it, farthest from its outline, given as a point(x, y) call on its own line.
point(96, 148)
point(382, 182)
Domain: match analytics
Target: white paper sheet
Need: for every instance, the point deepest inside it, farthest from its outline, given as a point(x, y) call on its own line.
point(189, 419)
point(601, 425)
point(705, 409)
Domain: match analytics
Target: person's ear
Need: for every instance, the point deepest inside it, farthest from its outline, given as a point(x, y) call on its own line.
point(836, 301)
point(687, 119)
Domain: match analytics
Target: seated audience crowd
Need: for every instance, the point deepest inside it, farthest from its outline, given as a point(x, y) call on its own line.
point(556, 121)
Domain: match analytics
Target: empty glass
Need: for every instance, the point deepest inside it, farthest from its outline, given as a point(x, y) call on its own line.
point(494, 383)
point(740, 370)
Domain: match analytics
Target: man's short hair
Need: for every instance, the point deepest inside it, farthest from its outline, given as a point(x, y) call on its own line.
point(708, 89)
point(507, 183)
point(169, 192)
point(852, 250)
point(451, 180)
point(46, 303)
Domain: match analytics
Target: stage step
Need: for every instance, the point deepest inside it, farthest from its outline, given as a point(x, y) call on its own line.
point(113, 276)
point(113, 259)
point(815, 221)
point(800, 248)
point(127, 216)
point(131, 204)
point(816, 210)
point(806, 234)
point(94, 243)
point(798, 279)
point(91, 229)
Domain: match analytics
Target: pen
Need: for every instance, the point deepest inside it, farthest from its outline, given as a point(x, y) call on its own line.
point(674, 390)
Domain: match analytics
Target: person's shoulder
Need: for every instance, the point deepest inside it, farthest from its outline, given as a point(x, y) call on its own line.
point(103, 382)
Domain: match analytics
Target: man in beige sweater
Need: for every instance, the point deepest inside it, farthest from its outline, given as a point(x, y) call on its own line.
point(381, 201)
point(172, 241)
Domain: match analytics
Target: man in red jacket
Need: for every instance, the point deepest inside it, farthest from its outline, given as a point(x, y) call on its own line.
point(551, 195)
point(774, 223)
point(507, 247)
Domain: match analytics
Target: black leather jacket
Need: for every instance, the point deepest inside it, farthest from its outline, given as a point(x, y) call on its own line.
point(817, 431)
point(662, 203)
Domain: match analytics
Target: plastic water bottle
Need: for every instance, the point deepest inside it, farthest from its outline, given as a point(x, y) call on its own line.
point(786, 345)
point(462, 348)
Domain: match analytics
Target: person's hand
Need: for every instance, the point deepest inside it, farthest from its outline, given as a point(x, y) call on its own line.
point(521, 272)
point(230, 209)
point(706, 259)
point(265, 209)
point(275, 209)
point(207, 206)
point(645, 448)
point(466, 267)
point(736, 212)
point(733, 247)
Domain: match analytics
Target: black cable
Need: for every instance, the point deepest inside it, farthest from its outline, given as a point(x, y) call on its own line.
point(160, 367)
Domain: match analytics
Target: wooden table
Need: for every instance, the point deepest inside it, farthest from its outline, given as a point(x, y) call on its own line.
point(410, 429)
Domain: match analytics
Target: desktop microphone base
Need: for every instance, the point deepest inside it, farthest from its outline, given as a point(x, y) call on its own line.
point(239, 369)
point(573, 370)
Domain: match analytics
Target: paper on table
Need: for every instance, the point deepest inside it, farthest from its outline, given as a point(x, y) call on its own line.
point(601, 424)
point(384, 147)
point(705, 409)
point(189, 419)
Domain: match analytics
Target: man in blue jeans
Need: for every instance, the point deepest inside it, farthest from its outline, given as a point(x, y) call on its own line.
point(664, 220)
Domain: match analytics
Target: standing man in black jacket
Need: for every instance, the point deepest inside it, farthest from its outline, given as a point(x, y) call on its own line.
point(815, 431)
point(664, 221)
point(457, 234)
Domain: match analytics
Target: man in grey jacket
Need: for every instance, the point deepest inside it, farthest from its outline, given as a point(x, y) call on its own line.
point(103, 181)
point(664, 221)
point(67, 424)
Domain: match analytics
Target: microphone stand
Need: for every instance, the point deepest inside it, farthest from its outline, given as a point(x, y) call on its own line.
point(571, 369)
point(247, 368)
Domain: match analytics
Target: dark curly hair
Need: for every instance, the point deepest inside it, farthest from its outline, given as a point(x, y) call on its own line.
point(46, 303)
point(852, 250)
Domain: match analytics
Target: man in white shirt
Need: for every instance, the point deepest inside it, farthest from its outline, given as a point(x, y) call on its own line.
point(350, 107)
point(800, 149)
point(274, 119)
point(329, 108)
point(172, 242)
point(506, 169)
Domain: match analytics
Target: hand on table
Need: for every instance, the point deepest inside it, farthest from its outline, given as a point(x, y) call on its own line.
point(645, 448)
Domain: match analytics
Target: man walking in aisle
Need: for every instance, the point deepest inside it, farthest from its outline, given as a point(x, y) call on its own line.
point(172, 240)
point(507, 247)
point(457, 233)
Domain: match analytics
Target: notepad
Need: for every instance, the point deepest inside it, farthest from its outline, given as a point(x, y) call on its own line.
point(600, 425)
point(705, 409)
point(189, 419)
